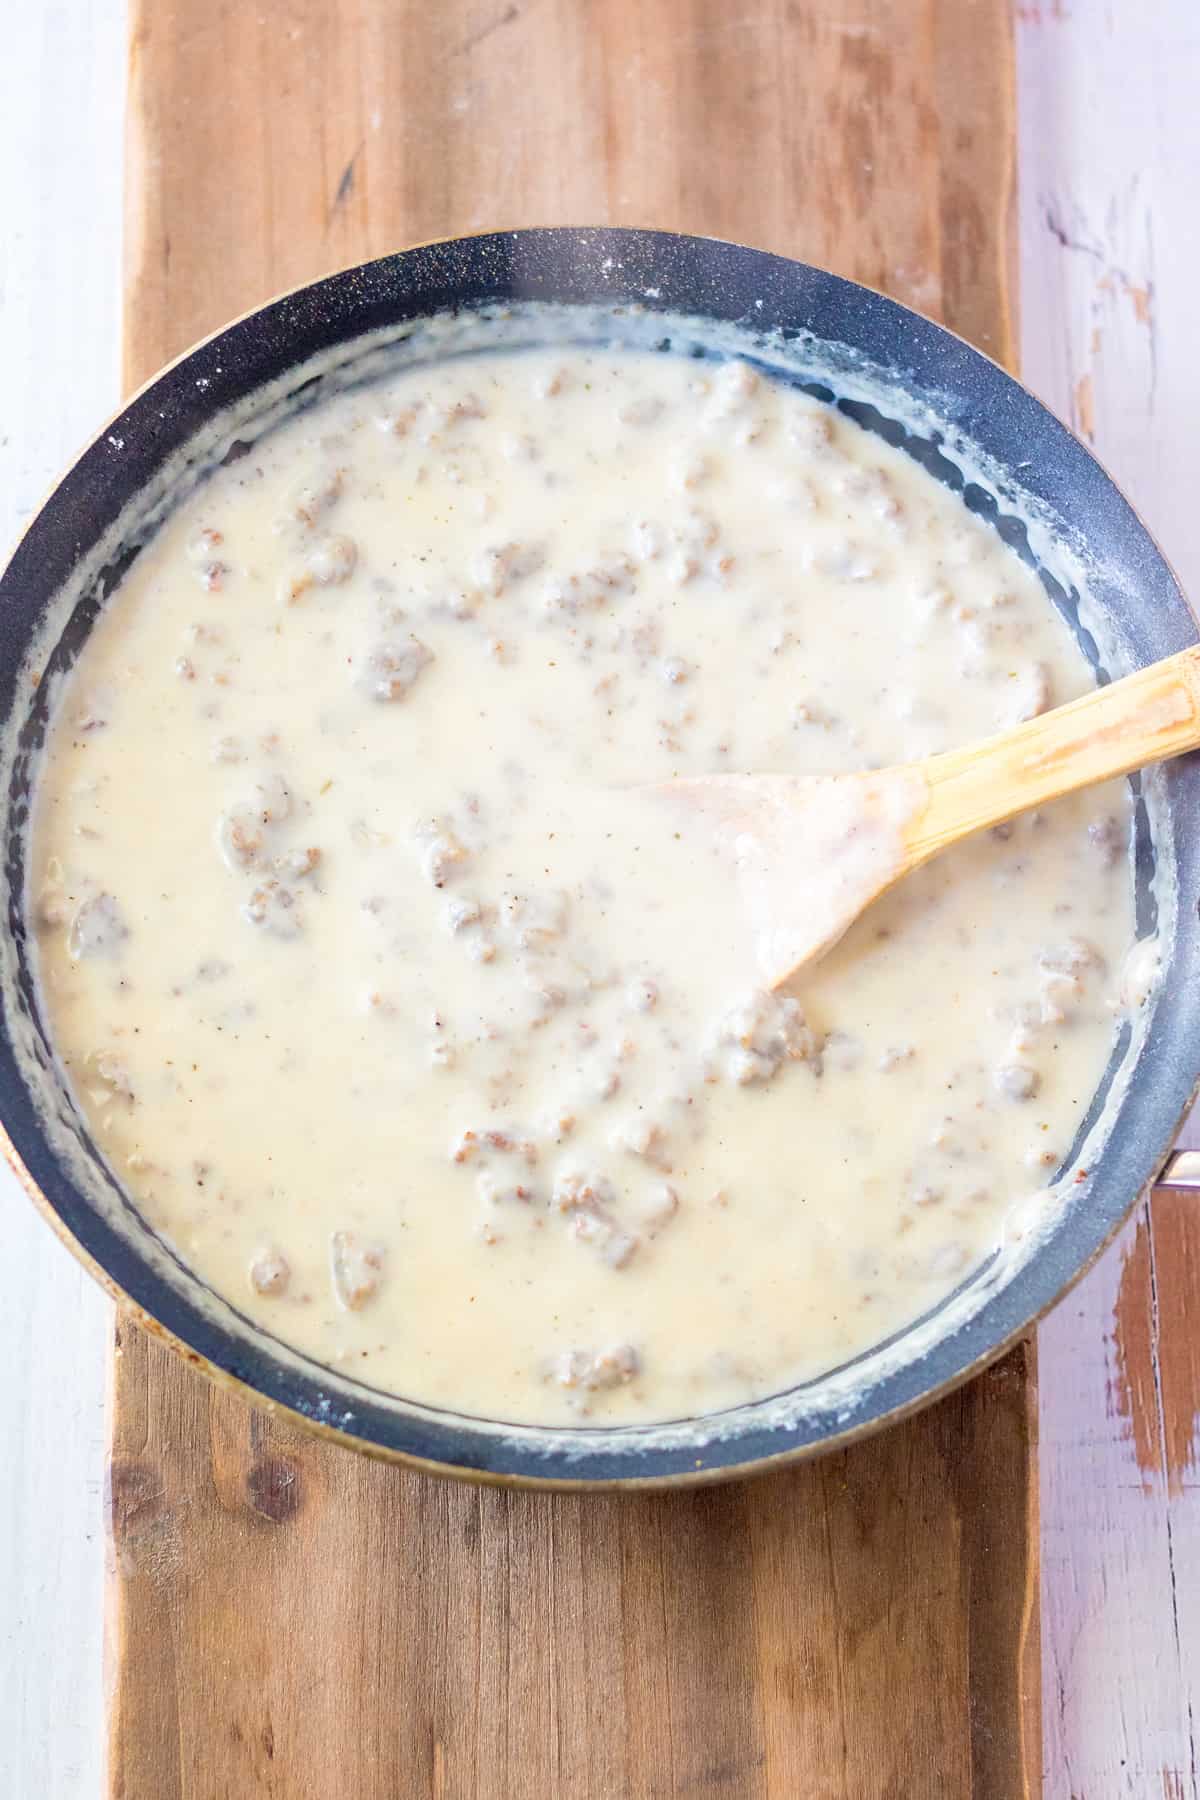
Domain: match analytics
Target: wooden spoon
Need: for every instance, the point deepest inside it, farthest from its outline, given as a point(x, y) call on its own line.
point(813, 851)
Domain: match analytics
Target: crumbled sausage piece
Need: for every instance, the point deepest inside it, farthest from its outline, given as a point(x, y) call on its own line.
point(429, 420)
point(440, 852)
point(643, 637)
point(201, 632)
point(951, 1138)
point(242, 831)
point(461, 913)
point(93, 714)
point(757, 1037)
point(587, 1202)
point(1064, 969)
point(112, 1075)
point(465, 1147)
point(810, 712)
point(547, 996)
point(927, 1193)
point(292, 584)
point(642, 409)
point(648, 540)
point(457, 603)
point(575, 1191)
point(1030, 1021)
point(202, 552)
point(593, 1369)
point(272, 799)
point(558, 1126)
point(645, 1138)
point(841, 1051)
point(502, 1193)
point(611, 1367)
point(356, 1265)
point(498, 566)
point(607, 1083)
point(535, 920)
point(312, 499)
point(616, 1247)
point(52, 908)
point(389, 671)
point(810, 431)
point(503, 1140)
point(240, 838)
point(1075, 956)
point(661, 1208)
point(298, 863)
point(203, 546)
point(270, 1272)
point(332, 560)
point(1141, 972)
point(674, 670)
point(696, 549)
point(519, 447)
point(733, 386)
point(439, 416)
point(398, 421)
point(1060, 993)
point(1034, 694)
point(868, 490)
point(548, 383)
point(97, 928)
point(510, 1142)
point(1017, 1081)
point(691, 472)
point(274, 906)
point(1107, 839)
point(588, 589)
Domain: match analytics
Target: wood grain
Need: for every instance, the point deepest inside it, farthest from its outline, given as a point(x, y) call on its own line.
point(1111, 253)
point(58, 378)
point(288, 1619)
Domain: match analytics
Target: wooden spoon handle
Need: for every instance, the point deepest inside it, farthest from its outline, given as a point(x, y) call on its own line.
point(1140, 719)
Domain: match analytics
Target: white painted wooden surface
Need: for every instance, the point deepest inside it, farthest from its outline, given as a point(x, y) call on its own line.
point(1110, 235)
point(62, 73)
point(1110, 238)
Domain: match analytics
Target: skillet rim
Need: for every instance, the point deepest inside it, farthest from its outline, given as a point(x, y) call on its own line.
point(454, 1444)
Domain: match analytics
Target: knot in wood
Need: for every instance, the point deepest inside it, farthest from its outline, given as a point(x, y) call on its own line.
point(273, 1489)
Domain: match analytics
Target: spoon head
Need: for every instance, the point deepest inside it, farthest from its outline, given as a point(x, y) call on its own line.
point(810, 852)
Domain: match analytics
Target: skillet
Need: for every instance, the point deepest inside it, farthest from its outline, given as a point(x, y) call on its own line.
point(942, 402)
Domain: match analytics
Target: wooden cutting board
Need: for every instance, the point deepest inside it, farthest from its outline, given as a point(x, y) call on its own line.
point(288, 1619)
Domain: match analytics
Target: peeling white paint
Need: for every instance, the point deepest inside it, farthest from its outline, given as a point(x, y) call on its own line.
point(1110, 241)
point(61, 103)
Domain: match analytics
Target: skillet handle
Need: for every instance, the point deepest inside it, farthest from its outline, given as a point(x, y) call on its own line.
point(1181, 1172)
point(1141, 719)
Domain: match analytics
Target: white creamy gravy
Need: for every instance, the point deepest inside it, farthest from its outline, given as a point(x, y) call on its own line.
point(405, 1015)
